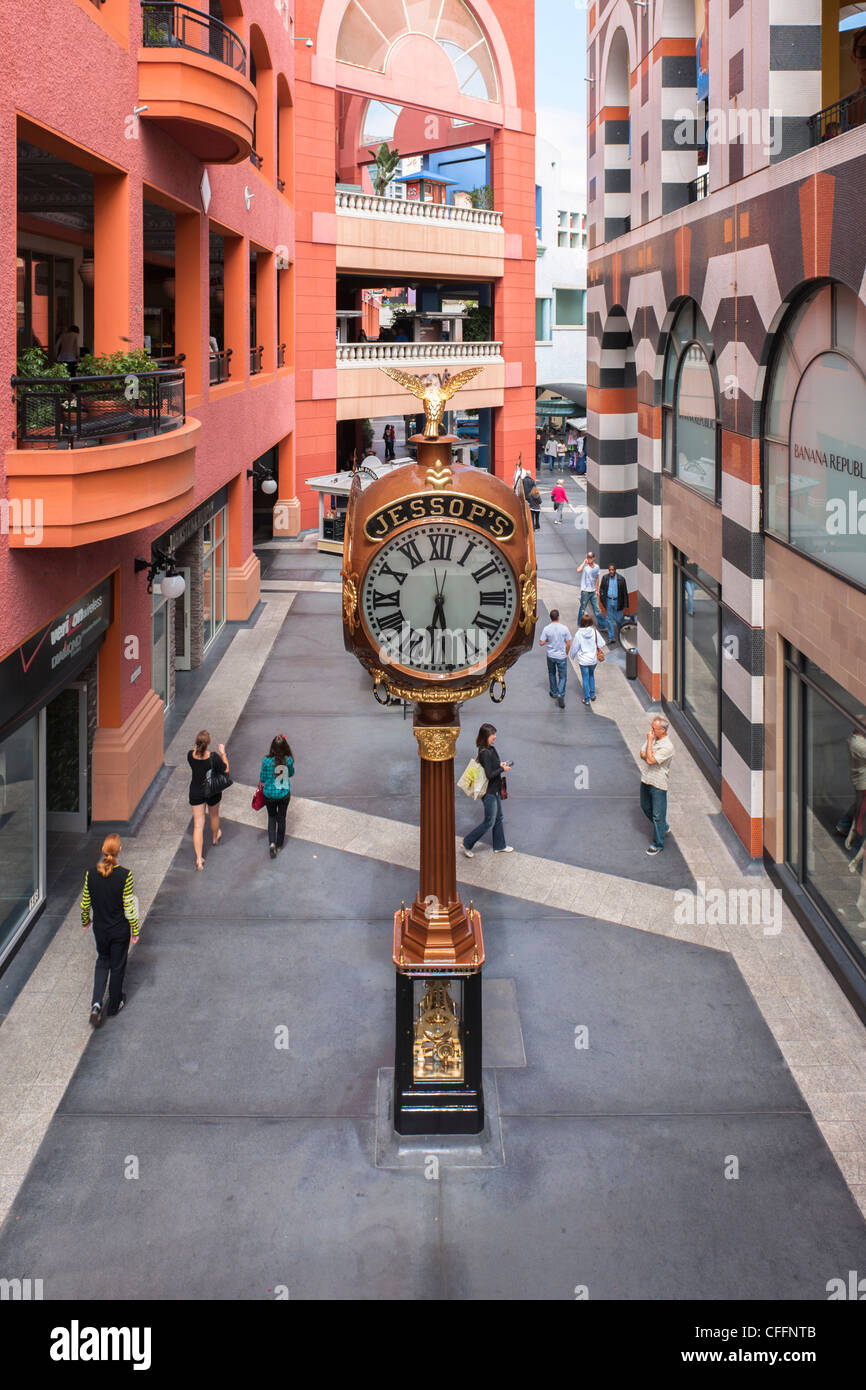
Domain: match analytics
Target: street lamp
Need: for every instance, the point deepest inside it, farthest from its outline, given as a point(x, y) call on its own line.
point(172, 584)
point(268, 482)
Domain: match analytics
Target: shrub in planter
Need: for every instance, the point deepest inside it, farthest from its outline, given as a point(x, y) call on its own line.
point(33, 362)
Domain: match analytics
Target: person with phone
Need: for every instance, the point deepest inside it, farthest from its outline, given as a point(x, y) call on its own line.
point(492, 799)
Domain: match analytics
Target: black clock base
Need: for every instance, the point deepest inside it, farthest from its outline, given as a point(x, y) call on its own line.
point(430, 1106)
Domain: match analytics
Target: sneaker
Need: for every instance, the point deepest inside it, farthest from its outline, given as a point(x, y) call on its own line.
point(586, 702)
point(96, 1016)
point(654, 849)
point(560, 702)
point(506, 849)
point(273, 851)
point(470, 853)
point(112, 1013)
point(592, 697)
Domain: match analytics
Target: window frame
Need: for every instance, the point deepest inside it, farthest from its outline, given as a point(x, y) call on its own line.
point(670, 407)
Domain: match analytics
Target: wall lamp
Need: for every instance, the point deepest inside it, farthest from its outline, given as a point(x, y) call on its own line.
point(172, 584)
point(268, 481)
point(296, 38)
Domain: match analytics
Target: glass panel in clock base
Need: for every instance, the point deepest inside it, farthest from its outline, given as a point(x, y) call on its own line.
point(437, 1067)
point(19, 829)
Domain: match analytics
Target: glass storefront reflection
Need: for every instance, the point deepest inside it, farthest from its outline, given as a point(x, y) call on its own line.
point(19, 828)
point(826, 796)
point(698, 663)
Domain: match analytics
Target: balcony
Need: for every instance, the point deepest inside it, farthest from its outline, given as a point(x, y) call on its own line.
point(192, 77)
point(364, 393)
point(98, 457)
point(838, 118)
point(220, 366)
point(256, 355)
point(699, 188)
point(400, 235)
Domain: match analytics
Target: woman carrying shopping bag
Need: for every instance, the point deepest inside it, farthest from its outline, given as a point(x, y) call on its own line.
point(587, 650)
point(277, 770)
point(493, 770)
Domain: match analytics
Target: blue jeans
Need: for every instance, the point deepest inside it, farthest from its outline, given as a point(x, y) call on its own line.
point(557, 673)
point(615, 620)
point(654, 804)
point(587, 675)
point(551, 460)
point(492, 821)
point(587, 597)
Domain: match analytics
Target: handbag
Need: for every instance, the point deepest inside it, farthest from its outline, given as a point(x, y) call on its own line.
point(503, 788)
point(217, 782)
point(258, 800)
point(598, 651)
point(474, 780)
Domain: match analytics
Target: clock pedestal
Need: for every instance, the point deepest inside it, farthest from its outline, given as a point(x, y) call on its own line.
point(438, 952)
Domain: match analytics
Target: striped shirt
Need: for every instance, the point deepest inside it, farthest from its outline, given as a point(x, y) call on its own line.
point(110, 900)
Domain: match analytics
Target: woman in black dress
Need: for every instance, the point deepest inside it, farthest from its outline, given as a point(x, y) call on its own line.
point(201, 762)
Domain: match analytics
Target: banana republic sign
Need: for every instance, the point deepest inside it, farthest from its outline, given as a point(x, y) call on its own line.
point(442, 507)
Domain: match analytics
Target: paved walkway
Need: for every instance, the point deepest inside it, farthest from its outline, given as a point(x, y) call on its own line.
point(679, 1109)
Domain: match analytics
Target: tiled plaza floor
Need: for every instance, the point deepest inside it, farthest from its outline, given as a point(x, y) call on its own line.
point(707, 1143)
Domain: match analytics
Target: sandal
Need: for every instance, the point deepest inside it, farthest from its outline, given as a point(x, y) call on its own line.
point(200, 865)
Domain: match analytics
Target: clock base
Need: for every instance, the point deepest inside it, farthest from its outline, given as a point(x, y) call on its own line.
point(437, 1065)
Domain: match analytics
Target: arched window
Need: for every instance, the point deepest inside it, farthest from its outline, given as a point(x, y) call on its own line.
point(814, 452)
point(616, 136)
point(690, 404)
point(370, 29)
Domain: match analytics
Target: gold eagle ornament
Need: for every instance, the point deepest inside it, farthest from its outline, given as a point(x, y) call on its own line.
point(435, 390)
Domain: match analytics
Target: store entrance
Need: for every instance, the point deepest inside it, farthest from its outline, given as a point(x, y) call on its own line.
point(66, 759)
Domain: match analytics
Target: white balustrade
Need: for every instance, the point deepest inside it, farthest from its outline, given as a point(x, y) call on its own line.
point(371, 205)
point(389, 354)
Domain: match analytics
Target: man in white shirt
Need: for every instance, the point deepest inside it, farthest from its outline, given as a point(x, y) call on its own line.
point(656, 756)
point(557, 639)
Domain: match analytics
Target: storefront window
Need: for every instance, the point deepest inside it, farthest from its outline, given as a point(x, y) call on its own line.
point(160, 676)
point(20, 849)
point(814, 456)
point(698, 673)
point(826, 797)
point(214, 575)
point(690, 406)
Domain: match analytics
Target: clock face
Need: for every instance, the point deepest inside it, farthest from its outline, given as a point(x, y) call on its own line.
point(439, 599)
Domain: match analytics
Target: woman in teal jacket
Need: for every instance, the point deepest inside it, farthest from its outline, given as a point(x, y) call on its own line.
point(277, 770)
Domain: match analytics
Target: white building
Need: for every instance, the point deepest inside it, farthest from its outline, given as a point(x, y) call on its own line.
point(560, 280)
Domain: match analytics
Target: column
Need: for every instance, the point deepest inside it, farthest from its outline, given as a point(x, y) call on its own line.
point(287, 510)
point(243, 574)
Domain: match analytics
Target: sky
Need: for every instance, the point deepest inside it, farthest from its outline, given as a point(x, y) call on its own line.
point(560, 89)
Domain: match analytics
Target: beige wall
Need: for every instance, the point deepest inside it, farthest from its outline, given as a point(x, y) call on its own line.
point(364, 392)
point(413, 246)
point(822, 617)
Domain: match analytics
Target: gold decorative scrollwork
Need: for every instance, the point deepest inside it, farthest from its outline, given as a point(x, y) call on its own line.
point(440, 476)
point(435, 695)
point(437, 745)
point(528, 598)
point(350, 600)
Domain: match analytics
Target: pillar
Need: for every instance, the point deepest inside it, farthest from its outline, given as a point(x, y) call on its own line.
point(191, 271)
point(243, 575)
point(111, 262)
point(287, 511)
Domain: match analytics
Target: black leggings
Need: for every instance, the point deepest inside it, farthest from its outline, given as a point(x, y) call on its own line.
point(112, 948)
point(277, 819)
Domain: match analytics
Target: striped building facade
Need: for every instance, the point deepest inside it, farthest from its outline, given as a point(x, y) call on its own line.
point(696, 289)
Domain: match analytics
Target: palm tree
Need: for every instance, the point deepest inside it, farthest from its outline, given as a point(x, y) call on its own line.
point(386, 164)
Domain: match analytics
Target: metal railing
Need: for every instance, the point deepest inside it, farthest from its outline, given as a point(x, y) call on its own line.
point(83, 411)
point(842, 116)
point(281, 355)
point(256, 354)
point(699, 188)
point(371, 205)
point(220, 366)
point(256, 159)
point(371, 354)
point(180, 26)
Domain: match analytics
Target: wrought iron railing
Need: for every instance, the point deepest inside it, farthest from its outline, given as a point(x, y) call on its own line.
point(281, 355)
point(180, 26)
point(843, 115)
point(699, 188)
point(256, 159)
point(256, 354)
point(81, 411)
point(370, 204)
point(371, 354)
point(220, 366)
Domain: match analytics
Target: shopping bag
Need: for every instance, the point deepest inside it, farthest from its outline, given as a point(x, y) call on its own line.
point(474, 780)
point(258, 800)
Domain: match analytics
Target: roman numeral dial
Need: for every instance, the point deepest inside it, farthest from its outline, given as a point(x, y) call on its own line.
point(439, 599)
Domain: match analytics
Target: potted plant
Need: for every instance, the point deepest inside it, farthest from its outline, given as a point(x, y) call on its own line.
point(40, 412)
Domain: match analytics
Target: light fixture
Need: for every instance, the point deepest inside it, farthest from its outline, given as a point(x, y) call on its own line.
point(268, 482)
point(248, 198)
point(168, 286)
point(172, 584)
point(86, 272)
point(137, 110)
point(296, 38)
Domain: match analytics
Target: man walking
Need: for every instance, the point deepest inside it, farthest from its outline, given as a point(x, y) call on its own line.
point(656, 756)
point(614, 596)
point(557, 639)
point(589, 575)
point(551, 449)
